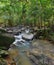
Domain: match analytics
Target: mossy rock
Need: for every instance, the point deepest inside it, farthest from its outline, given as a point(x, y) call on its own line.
point(4, 53)
point(3, 62)
point(3, 31)
point(3, 48)
point(6, 41)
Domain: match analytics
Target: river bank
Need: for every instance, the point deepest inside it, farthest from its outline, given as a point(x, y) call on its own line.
point(28, 48)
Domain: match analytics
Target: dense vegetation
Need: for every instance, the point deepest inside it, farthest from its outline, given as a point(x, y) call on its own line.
point(29, 12)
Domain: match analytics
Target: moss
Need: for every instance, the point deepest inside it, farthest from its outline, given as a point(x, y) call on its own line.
point(3, 31)
point(5, 41)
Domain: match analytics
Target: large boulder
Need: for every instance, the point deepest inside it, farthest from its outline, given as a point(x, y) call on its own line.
point(28, 36)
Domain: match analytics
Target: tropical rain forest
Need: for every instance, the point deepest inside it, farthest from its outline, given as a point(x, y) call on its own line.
point(26, 32)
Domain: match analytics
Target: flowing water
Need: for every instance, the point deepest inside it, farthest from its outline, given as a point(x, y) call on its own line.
point(36, 52)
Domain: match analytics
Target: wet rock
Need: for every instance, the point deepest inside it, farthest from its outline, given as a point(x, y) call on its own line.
point(28, 36)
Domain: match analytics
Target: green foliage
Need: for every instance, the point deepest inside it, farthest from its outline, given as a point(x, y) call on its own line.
point(26, 11)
